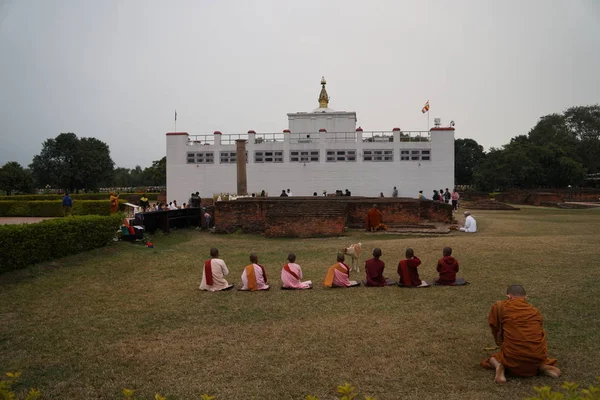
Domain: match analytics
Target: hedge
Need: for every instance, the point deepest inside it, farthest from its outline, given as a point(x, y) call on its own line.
point(54, 208)
point(88, 196)
point(32, 243)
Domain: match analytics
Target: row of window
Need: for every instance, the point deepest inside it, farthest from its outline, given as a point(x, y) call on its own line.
point(229, 157)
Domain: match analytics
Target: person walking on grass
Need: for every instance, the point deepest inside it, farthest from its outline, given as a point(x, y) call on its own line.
point(67, 203)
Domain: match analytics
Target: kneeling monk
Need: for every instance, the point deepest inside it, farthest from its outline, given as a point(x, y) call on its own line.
point(291, 275)
point(517, 329)
point(338, 275)
point(374, 218)
point(214, 272)
point(254, 276)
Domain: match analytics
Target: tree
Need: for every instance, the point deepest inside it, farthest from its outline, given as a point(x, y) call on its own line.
point(71, 163)
point(14, 178)
point(468, 154)
point(157, 173)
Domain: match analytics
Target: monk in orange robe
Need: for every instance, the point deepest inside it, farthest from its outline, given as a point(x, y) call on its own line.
point(374, 218)
point(114, 203)
point(517, 328)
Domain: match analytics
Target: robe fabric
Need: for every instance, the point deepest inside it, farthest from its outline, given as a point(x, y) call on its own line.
point(114, 204)
point(524, 348)
point(447, 267)
point(374, 217)
point(337, 275)
point(409, 275)
point(254, 278)
point(374, 270)
point(291, 277)
point(217, 270)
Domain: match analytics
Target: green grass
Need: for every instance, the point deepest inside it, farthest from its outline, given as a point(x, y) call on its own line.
point(87, 326)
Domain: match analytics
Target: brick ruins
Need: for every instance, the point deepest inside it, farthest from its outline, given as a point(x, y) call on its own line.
point(321, 216)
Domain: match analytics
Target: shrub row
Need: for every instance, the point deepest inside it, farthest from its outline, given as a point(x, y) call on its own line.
point(54, 208)
point(32, 243)
point(88, 196)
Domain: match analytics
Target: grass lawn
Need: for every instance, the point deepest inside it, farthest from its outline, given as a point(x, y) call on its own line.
point(124, 316)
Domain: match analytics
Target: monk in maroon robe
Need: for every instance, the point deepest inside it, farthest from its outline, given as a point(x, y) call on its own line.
point(447, 267)
point(407, 269)
point(374, 269)
point(517, 327)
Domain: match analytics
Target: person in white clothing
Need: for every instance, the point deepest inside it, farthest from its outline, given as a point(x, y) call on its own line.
point(470, 223)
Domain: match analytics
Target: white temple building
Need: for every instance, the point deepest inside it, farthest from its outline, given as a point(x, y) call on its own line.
point(321, 150)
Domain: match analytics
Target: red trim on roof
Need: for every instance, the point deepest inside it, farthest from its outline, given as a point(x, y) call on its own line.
point(359, 129)
point(177, 133)
point(395, 129)
point(442, 129)
point(251, 131)
point(322, 130)
point(217, 133)
point(287, 131)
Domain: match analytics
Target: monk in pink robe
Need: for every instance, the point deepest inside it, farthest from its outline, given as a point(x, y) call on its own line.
point(338, 275)
point(254, 276)
point(517, 327)
point(291, 275)
point(214, 272)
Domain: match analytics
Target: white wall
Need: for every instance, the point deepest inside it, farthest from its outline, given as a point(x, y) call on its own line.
point(335, 121)
point(361, 178)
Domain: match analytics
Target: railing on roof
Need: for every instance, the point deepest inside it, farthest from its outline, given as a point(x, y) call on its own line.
point(201, 140)
point(313, 137)
point(415, 136)
point(269, 137)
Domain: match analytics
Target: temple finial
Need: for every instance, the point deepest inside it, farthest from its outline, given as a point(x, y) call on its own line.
point(323, 97)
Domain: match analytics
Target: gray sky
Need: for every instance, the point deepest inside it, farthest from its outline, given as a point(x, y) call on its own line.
point(116, 70)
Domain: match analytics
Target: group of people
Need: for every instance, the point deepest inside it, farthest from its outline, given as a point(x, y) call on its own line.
point(443, 197)
point(254, 276)
point(516, 325)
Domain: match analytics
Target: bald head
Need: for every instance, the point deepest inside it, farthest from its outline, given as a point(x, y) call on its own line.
point(253, 258)
point(516, 291)
point(340, 257)
point(214, 252)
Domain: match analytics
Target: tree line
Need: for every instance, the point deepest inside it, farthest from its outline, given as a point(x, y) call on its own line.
point(560, 150)
point(71, 163)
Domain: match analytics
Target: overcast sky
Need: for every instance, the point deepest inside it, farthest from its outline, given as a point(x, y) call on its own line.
point(117, 69)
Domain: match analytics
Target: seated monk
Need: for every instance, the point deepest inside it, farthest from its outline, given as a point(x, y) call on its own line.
point(374, 218)
point(407, 269)
point(291, 275)
point(447, 267)
point(374, 269)
point(214, 272)
point(338, 275)
point(254, 276)
point(517, 328)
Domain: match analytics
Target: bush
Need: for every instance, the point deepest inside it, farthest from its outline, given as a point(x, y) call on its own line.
point(32, 243)
point(89, 196)
point(54, 208)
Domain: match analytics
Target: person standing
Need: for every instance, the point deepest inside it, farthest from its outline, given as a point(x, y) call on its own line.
point(395, 192)
point(144, 202)
point(114, 203)
point(447, 196)
point(455, 197)
point(67, 203)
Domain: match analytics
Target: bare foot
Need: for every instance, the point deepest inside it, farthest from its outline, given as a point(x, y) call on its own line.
point(550, 371)
point(500, 378)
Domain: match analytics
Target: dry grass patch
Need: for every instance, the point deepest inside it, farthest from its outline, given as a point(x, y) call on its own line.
point(128, 316)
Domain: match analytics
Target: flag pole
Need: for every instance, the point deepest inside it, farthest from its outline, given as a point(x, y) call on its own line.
point(428, 115)
point(175, 120)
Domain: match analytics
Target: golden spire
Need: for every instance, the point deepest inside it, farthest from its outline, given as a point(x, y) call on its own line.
point(323, 97)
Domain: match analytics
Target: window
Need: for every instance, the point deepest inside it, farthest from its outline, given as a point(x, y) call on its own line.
point(304, 156)
point(230, 157)
point(341, 155)
point(205, 157)
point(268, 156)
point(415, 155)
point(378, 155)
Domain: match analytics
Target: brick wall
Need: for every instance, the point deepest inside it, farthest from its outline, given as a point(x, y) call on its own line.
point(319, 216)
point(535, 197)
